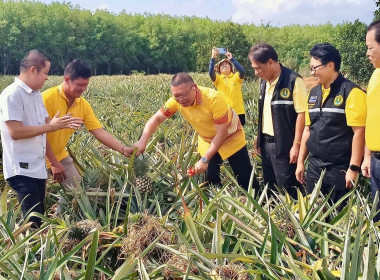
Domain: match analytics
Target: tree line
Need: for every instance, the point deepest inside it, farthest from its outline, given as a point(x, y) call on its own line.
point(125, 43)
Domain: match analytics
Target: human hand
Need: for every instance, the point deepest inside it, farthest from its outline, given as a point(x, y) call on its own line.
point(228, 54)
point(256, 148)
point(200, 167)
point(366, 166)
point(67, 121)
point(351, 178)
point(214, 52)
point(300, 173)
point(140, 145)
point(293, 154)
point(58, 171)
point(127, 151)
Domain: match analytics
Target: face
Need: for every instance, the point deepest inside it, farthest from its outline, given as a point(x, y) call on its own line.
point(75, 88)
point(225, 68)
point(184, 94)
point(39, 77)
point(321, 73)
point(262, 70)
point(373, 49)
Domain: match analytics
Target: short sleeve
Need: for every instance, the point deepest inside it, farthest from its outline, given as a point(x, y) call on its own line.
point(170, 107)
point(11, 107)
point(219, 109)
point(300, 95)
point(90, 120)
point(356, 108)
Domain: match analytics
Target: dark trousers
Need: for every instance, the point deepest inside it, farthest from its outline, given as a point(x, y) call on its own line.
point(375, 182)
point(240, 164)
point(31, 193)
point(334, 179)
point(277, 170)
point(242, 119)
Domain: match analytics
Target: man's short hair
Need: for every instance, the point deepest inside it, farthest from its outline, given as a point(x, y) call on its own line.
point(181, 78)
point(77, 69)
point(375, 25)
point(262, 53)
point(326, 53)
point(34, 58)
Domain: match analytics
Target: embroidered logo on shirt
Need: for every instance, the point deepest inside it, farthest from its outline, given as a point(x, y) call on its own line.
point(24, 165)
point(338, 100)
point(285, 93)
point(312, 100)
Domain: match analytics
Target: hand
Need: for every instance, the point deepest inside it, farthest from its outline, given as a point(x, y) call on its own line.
point(366, 166)
point(351, 178)
point(256, 148)
point(200, 167)
point(300, 173)
point(65, 122)
point(214, 52)
point(58, 172)
point(293, 154)
point(140, 147)
point(228, 54)
point(127, 151)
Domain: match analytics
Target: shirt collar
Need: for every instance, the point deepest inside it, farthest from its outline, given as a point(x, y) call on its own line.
point(198, 96)
point(23, 85)
point(62, 93)
point(274, 82)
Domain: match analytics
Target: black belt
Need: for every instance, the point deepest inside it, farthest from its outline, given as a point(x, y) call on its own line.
point(268, 138)
point(376, 154)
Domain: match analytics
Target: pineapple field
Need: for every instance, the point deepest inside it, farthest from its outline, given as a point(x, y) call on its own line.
point(145, 218)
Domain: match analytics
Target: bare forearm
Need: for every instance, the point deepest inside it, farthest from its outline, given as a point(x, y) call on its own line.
point(50, 154)
point(300, 125)
point(367, 152)
point(303, 149)
point(358, 145)
point(216, 142)
point(18, 132)
point(107, 139)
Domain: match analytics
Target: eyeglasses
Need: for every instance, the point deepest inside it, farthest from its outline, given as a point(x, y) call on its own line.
point(181, 97)
point(314, 68)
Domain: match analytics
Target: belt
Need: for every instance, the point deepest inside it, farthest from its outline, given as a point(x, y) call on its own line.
point(376, 154)
point(268, 138)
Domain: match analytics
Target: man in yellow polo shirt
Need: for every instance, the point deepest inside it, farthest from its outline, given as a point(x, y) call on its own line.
point(371, 163)
point(67, 98)
point(333, 137)
point(221, 135)
point(282, 106)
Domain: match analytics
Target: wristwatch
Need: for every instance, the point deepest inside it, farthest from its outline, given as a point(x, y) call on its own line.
point(354, 168)
point(204, 160)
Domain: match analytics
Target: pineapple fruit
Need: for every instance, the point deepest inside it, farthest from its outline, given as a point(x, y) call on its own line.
point(142, 180)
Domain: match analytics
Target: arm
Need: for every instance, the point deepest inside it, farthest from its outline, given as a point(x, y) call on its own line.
point(300, 125)
point(300, 171)
point(217, 141)
point(356, 154)
point(150, 127)
point(366, 165)
point(211, 70)
point(238, 67)
point(107, 139)
point(57, 168)
point(18, 131)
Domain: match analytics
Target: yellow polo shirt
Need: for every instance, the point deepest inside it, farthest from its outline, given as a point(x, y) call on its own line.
point(299, 99)
point(355, 107)
point(210, 108)
point(372, 135)
point(55, 100)
point(230, 87)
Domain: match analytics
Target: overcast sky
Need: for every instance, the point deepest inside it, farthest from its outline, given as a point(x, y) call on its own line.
point(274, 12)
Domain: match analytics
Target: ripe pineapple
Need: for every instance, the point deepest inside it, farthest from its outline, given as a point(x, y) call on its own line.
point(142, 180)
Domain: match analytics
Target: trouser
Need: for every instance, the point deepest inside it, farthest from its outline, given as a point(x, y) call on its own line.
point(375, 181)
point(242, 119)
point(277, 170)
point(30, 193)
point(240, 164)
point(334, 179)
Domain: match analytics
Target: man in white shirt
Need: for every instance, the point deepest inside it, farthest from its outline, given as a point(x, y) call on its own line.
point(24, 123)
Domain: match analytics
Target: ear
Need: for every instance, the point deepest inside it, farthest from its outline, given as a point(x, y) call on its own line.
point(33, 70)
point(66, 79)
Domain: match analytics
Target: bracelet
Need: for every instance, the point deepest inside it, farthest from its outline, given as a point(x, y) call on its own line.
point(298, 142)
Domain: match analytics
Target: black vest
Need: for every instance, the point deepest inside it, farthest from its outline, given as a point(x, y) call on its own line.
point(330, 137)
point(284, 116)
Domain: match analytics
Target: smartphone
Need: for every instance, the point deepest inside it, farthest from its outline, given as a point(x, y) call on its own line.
point(222, 50)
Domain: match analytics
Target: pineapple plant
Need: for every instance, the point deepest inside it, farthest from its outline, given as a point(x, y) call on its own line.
point(78, 232)
point(142, 181)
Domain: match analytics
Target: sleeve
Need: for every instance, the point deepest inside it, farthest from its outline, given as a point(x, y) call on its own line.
point(239, 68)
point(211, 70)
point(12, 107)
point(356, 108)
point(219, 109)
point(170, 107)
point(90, 120)
point(300, 95)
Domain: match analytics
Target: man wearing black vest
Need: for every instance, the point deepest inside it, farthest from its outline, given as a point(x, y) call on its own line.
point(282, 106)
point(334, 132)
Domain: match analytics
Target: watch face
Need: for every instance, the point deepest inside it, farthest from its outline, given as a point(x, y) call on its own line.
point(204, 160)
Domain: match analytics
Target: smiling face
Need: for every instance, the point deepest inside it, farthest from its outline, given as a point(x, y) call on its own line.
point(75, 88)
point(373, 48)
point(225, 68)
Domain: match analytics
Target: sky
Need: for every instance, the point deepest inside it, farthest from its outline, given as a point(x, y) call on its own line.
point(272, 12)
